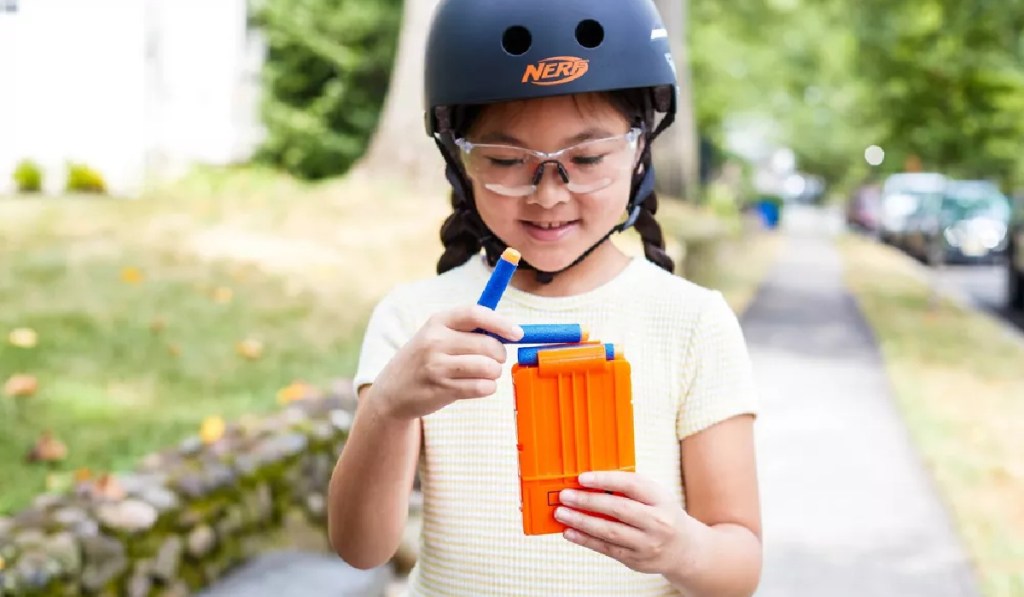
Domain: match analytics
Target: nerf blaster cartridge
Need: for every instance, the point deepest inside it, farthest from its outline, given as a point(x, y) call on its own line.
point(573, 408)
point(574, 413)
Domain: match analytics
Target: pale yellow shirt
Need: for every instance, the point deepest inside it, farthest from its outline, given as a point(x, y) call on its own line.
point(690, 370)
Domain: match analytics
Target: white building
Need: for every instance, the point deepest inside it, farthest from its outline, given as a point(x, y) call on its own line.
point(132, 88)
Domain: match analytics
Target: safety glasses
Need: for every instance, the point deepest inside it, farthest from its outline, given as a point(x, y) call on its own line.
point(586, 167)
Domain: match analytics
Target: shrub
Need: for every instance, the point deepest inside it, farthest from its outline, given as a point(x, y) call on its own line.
point(28, 177)
point(324, 80)
point(83, 179)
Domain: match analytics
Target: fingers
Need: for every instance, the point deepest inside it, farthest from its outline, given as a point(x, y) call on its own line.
point(468, 366)
point(622, 554)
point(475, 317)
point(608, 531)
point(611, 550)
point(629, 484)
point(620, 508)
point(466, 389)
point(463, 376)
point(461, 343)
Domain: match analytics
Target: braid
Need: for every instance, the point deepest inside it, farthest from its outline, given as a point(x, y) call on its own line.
point(650, 233)
point(457, 235)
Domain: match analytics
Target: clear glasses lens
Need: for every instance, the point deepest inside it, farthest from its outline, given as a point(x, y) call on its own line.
point(513, 171)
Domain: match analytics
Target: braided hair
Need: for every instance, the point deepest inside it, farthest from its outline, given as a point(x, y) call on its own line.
point(464, 234)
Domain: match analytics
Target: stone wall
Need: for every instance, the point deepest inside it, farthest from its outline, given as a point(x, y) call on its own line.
point(187, 515)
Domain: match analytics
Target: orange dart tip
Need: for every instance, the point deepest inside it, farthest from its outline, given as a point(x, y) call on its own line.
point(512, 256)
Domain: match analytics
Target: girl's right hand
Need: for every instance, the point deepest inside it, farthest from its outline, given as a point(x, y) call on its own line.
point(447, 360)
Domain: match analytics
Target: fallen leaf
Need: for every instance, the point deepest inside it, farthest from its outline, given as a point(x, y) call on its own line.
point(211, 430)
point(223, 295)
point(293, 393)
point(159, 324)
point(131, 275)
point(23, 338)
point(107, 486)
point(21, 386)
point(82, 475)
point(47, 449)
point(174, 350)
point(250, 348)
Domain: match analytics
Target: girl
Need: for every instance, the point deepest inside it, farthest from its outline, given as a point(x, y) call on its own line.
point(545, 113)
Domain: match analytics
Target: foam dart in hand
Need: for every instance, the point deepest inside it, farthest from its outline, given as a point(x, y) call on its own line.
point(529, 356)
point(500, 278)
point(551, 333)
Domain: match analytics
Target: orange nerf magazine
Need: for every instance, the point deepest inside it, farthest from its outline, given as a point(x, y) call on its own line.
point(574, 413)
point(574, 408)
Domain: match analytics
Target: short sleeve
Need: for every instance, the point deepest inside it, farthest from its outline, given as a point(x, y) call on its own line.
point(385, 334)
point(718, 379)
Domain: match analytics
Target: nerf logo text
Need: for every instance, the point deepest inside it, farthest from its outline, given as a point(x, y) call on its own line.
point(556, 70)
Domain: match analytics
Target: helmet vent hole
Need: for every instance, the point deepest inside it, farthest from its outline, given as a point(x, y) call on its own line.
point(589, 33)
point(517, 40)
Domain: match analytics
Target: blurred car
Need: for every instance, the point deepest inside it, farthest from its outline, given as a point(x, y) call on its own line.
point(864, 209)
point(902, 195)
point(968, 221)
point(1015, 257)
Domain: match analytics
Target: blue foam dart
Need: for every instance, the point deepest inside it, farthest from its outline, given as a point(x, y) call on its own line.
point(551, 333)
point(500, 278)
point(528, 354)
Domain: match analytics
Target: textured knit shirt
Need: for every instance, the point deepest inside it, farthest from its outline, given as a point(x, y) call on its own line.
point(689, 370)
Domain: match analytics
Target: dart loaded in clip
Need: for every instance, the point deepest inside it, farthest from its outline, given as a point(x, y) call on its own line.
point(573, 408)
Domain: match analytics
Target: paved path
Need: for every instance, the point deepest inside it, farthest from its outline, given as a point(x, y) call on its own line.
point(848, 509)
point(300, 574)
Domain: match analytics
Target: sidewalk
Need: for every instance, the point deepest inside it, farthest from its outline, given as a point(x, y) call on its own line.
point(848, 507)
point(300, 574)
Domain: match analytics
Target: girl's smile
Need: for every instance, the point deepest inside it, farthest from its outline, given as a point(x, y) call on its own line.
point(547, 231)
point(551, 225)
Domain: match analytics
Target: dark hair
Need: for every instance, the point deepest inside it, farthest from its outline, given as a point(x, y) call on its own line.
point(464, 233)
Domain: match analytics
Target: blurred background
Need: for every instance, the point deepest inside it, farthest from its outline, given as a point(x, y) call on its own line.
point(200, 203)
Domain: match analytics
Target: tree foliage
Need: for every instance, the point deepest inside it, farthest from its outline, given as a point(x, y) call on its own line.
point(324, 80)
point(953, 73)
point(939, 80)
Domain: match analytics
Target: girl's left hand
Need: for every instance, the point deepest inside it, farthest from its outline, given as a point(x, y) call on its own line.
point(650, 533)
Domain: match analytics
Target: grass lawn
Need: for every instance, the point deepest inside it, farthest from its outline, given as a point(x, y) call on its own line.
point(202, 299)
point(960, 383)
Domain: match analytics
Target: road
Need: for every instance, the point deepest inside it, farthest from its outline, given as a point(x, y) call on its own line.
point(983, 286)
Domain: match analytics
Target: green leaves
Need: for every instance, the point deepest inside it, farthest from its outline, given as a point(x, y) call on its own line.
point(325, 79)
point(950, 76)
point(942, 80)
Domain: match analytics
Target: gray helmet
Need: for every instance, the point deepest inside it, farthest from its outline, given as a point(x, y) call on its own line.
point(486, 51)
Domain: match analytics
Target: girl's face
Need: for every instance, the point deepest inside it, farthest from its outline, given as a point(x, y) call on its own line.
point(555, 223)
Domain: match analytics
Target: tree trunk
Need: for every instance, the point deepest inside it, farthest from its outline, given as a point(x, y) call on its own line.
point(400, 147)
point(675, 152)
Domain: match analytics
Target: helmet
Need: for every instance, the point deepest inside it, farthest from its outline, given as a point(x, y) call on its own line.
point(485, 51)
point(489, 51)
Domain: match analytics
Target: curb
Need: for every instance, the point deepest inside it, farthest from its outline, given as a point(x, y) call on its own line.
point(959, 298)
